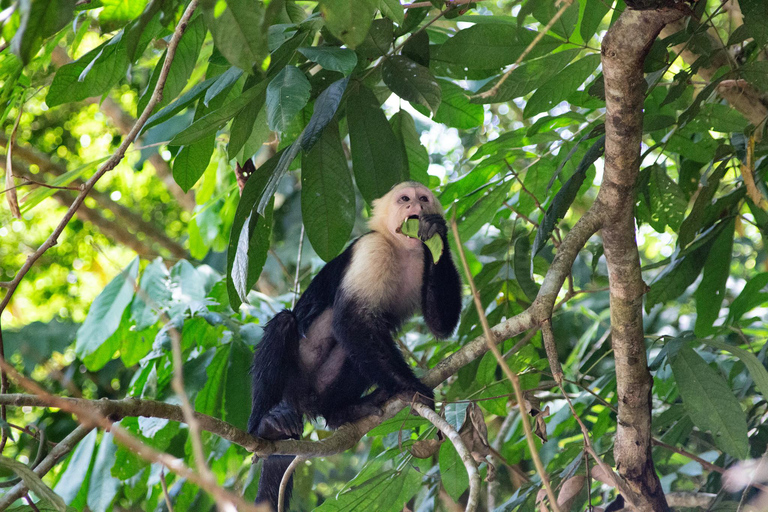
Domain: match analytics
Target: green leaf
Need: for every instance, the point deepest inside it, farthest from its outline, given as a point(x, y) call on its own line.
point(209, 399)
point(327, 195)
point(417, 49)
point(287, 94)
point(376, 153)
point(455, 108)
point(39, 19)
point(106, 312)
point(332, 58)
point(33, 482)
point(566, 195)
point(191, 161)
point(152, 296)
point(238, 31)
point(251, 120)
point(349, 20)
point(410, 228)
point(522, 267)
point(417, 157)
point(711, 291)
point(560, 86)
point(393, 10)
point(482, 211)
point(710, 402)
point(238, 388)
point(213, 121)
point(453, 474)
point(326, 105)
point(411, 82)
point(751, 296)
point(491, 46)
point(93, 74)
point(456, 413)
point(180, 103)
point(754, 366)
point(181, 68)
point(103, 487)
point(594, 12)
point(668, 202)
point(249, 236)
point(756, 21)
point(691, 225)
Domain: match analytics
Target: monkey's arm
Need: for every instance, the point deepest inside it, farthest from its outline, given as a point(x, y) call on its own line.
point(441, 288)
point(366, 336)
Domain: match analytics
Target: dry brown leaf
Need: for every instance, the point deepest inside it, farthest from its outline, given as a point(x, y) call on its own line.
point(570, 490)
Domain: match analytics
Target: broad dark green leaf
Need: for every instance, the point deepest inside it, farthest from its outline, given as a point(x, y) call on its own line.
point(332, 58)
point(751, 296)
point(710, 402)
point(238, 31)
point(376, 153)
point(755, 72)
point(668, 203)
point(327, 195)
point(693, 222)
point(349, 20)
point(756, 369)
point(528, 76)
point(287, 94)
point(393, 10)
point(522, 265)
point(417, 49)
point(455, 108)
point(566, 195)
point(224, 83)
point(417, 157)
point(411, 82)
point(288, 156)
point(711, 291)
point(482, 211)
point(181, 68)
point(105, 314)
point(326, 105)
point(182, 102)
point(213, 121)
point(209, 399)
point(594, 12)
point(152, 295)
point(39, 19)
point(490, 46)
point(384, 490)
point(238, 389)
point(191, 161)
point(756, 21)
point(453, 474)
point(255, 230)
point(562, 85)
point(250, 121)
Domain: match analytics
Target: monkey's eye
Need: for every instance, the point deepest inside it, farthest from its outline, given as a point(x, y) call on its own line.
point(405, 198)
point(424, 199)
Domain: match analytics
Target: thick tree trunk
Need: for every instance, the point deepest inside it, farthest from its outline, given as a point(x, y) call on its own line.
point(624, 49)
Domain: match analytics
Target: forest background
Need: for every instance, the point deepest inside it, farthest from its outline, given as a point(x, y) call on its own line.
point(176, 172)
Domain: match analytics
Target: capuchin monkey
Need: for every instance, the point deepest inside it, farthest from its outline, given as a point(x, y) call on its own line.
point(337, 343)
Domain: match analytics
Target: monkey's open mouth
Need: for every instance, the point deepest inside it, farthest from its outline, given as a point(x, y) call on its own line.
point(413, 217)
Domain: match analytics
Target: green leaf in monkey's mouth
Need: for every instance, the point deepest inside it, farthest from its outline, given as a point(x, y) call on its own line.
point(435, 244)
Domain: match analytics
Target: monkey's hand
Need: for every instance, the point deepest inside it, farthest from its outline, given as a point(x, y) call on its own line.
point(431, 224)
point(422, 394)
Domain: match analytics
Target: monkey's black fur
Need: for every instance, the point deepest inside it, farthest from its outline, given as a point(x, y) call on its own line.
point(358, 352)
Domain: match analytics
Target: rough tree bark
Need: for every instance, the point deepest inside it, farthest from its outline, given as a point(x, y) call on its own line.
point(624, 49)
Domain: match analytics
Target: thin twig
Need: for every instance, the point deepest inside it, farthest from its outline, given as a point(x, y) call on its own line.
point(13, 201)
point(89, 417)
point(115, 159)
point(491, 341)
point(166, 496)
point(466, 457)
point(495, 89)
point(296, 290)
point(284, 481)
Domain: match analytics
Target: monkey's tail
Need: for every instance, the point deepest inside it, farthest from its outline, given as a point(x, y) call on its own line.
point(275, 359)
point(271, 475)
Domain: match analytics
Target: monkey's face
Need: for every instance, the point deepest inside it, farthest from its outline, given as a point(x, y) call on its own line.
point(406, 202)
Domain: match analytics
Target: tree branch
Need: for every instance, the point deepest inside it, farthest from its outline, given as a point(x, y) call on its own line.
point(624, 49)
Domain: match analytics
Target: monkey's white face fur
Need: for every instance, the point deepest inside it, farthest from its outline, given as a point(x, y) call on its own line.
point(407, 199)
